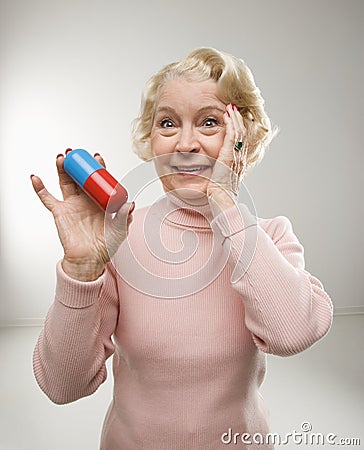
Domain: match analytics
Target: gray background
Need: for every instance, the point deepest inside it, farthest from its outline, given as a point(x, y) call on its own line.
point(71, 75)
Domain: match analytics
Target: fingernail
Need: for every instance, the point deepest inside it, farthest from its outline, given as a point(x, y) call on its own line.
point(32, 175)
point(132, 207)
point(68, 150)
point(235, 107)
point(60, 154)
point(97, 154)
point(227, 112)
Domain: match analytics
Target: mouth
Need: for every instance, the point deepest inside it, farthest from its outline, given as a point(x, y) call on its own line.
point(190, 170)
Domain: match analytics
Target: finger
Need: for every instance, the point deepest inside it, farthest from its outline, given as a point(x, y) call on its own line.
point(226, 153)
point(99, 159)
point(45, 197)
point(67, 185)
point(225, 162)
point(124, 215)
point(129, 220)
point(242, 155)
point(238, 124)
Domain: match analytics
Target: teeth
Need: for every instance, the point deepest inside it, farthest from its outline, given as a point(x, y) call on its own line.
point(190, 169)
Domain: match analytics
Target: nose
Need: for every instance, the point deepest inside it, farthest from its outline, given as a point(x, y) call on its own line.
point(188, 141)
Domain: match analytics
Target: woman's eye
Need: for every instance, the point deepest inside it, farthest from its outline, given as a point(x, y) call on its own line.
point(210, 122)
point(166, 123)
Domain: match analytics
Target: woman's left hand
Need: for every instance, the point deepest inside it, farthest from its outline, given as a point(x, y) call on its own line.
point(229, 166)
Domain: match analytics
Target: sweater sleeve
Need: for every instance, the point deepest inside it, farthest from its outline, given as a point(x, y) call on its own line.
point(286, 308)
point(75, 342)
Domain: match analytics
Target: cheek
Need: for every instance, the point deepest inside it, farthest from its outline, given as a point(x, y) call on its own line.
point(213, 145)
point(159, 145)
point(153, 144)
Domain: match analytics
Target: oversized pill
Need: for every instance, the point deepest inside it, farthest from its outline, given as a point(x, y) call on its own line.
point(95, 180)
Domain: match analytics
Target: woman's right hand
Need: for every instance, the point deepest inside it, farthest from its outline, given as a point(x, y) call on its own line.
point(81, 226)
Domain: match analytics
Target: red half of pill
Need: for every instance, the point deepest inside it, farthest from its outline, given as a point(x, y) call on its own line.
point(105, 190)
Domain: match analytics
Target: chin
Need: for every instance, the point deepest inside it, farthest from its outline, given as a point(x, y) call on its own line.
point(190, 194)
point(193, 194)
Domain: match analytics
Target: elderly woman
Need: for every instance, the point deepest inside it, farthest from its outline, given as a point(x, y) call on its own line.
point(189, 334)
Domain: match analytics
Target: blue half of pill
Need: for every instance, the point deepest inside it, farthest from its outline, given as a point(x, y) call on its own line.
point(79, 164)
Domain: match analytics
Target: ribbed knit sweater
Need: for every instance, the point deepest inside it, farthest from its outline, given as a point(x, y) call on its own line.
point(189, 318)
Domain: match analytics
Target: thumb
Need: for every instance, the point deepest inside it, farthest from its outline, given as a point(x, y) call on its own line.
point(45, 197)
point(122, 216)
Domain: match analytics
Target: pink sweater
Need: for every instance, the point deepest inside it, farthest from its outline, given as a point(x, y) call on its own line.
point(188, 328)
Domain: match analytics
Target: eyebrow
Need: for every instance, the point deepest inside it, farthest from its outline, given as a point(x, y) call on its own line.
point(169, 109)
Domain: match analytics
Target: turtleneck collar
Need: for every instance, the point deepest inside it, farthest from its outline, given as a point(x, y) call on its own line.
point(177, 211)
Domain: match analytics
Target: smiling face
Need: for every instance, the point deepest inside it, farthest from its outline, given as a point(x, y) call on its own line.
point(187, 135)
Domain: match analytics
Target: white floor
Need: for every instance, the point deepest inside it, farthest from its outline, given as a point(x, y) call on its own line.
point(322, 386)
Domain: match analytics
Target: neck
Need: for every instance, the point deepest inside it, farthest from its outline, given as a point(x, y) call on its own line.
point(181, 212)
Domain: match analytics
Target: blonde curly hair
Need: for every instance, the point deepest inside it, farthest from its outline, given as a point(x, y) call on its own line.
point(235, 85)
